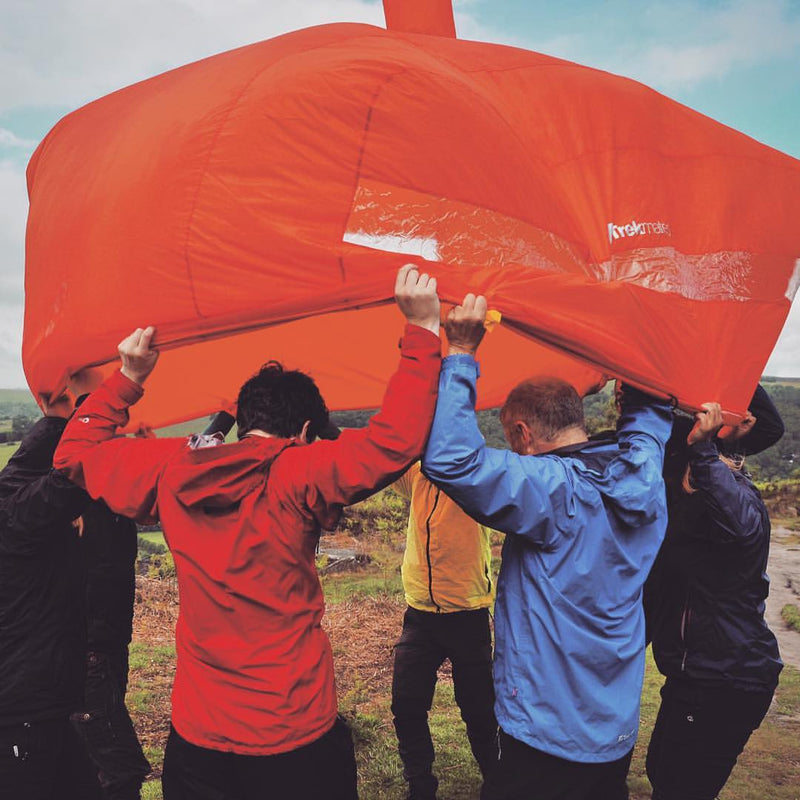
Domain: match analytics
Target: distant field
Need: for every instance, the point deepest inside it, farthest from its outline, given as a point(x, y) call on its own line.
point(16, 396)
point(6, 451)
point(782, 381)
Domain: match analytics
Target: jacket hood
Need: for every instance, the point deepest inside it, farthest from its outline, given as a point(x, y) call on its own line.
point(217, 475)
point(34, 457)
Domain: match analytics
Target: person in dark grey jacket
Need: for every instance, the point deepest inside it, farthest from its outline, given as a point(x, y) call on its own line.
point(704, 605)
point(42, 623)
point(102, 721)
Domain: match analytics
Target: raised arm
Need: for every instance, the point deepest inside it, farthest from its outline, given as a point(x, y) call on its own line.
point(121, 471)
point(645, 423)
point(360, 462)
point(734, 506)
point(498, 488)
point(506, 491)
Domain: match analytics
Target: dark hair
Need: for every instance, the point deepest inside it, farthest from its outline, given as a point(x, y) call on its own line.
point(547, 405)
point(279, 401)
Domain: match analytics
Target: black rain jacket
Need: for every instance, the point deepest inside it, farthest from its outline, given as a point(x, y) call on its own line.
point(42, 584)
point(110, 544)
point(704, 599)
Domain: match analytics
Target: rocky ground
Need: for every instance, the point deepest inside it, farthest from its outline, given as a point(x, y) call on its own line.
point(784, 574)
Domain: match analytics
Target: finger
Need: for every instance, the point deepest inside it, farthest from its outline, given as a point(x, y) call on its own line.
point(469, 301)
point(146, 337)
point(481, 306)
point(411, 276)
point(422, 281)
point(432, 285)
point(402, 273)
point(136, 337)
point(129, 341)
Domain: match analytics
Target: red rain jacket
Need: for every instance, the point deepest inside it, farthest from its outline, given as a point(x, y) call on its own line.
point(254, 667)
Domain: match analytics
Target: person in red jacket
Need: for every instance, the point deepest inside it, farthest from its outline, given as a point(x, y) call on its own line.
point(254, 711)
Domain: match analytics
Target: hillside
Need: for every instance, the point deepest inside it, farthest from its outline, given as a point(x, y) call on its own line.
point(782, 461)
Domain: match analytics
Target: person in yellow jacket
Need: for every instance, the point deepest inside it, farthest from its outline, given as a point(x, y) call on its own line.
point(448, 586)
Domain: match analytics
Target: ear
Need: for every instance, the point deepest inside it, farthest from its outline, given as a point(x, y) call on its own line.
point(521, 437)
point(302, 437)
point(526, 438)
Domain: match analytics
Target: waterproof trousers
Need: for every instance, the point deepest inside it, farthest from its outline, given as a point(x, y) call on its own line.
point(699, 733)
point(45, 761)
point(426, 641)
point(106, 729)
point(322, 770)
point(525, 773)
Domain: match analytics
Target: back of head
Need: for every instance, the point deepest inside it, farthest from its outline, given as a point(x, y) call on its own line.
point(279, 401)
point(548, 405)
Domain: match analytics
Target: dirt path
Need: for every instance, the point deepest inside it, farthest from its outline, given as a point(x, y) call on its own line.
point(784, 587)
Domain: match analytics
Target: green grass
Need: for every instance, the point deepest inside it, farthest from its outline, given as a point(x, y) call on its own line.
point(769, 769)
point(144, 656)
point(6, 451)
point(791, 616)
point(379, 767)
point(338, 588)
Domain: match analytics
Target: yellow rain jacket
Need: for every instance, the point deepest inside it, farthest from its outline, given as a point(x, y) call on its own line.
point(447, 563)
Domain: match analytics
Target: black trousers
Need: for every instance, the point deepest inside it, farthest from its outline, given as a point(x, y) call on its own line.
point(698, 735)
point(426, 641)
point(106, 730)
point(322, 770)
point(45, 761)
point(525, 773)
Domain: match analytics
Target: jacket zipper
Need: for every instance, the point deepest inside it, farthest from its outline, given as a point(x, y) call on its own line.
point(428, 550)
point(488, 577)
point(687, 613)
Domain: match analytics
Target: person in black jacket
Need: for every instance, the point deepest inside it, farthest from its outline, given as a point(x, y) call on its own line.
point(102, 721)
point(704, 604)
point(42, 623)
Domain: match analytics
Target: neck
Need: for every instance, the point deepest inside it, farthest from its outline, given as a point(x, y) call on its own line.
point(563, 438)
point(258, 432)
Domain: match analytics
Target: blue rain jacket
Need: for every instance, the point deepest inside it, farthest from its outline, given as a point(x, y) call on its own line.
point(583, 526)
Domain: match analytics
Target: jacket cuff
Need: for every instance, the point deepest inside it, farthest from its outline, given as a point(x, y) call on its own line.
point(414, 336)
point(462, 362)
point(127, 390)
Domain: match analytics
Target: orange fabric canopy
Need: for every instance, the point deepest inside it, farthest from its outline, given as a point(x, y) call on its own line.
point(256, 205)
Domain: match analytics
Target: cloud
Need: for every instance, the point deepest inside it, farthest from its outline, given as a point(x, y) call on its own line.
point(57, 53)
point(726, 39)
point(784, 358)
point(10, 139)
point(679, 45)
point(13, 211)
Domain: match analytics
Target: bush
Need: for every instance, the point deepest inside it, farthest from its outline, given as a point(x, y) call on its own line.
point(154, 548)
point(385, 512)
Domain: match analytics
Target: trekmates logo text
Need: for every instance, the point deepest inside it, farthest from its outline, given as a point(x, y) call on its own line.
point(634, 228)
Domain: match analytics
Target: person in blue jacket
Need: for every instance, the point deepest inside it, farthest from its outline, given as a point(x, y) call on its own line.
point(704, 604)
point(583, 523)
